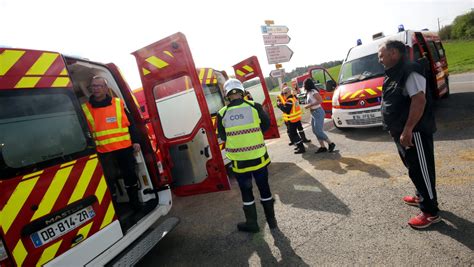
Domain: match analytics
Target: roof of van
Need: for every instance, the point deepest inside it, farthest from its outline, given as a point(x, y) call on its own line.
point(373, 47)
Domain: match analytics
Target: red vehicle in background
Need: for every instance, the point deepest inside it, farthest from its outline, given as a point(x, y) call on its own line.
point(301, 92)
point(357, 99)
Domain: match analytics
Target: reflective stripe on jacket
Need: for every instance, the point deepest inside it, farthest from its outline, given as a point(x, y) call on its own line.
point(109, 126)
point(295, 114)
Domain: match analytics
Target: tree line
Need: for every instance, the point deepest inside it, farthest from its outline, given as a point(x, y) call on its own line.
point(461, 28)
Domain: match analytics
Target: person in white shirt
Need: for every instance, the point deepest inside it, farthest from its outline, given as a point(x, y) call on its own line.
point(314, 100)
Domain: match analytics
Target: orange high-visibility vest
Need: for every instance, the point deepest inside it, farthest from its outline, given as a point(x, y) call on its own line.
point(283, 102)
point(295, 113)
point(109, 126)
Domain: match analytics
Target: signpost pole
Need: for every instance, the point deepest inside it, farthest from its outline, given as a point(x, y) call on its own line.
point(276, 54)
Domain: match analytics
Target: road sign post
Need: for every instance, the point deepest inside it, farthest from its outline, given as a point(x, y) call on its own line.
point(279, 73)
point(275, 38)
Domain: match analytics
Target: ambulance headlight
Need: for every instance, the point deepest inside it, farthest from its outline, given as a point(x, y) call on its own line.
point(335, 98)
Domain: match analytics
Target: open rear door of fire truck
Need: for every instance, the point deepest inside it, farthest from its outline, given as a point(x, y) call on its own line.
point(249, 69)
point(180, 117)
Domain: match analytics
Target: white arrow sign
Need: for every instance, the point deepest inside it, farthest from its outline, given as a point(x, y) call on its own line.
point(276, 39)
point(278, 54)
point(274, 29)
point(277, 73)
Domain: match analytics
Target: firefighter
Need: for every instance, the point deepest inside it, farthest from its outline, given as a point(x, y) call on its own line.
point(109, 122)
point(281, 99)
point(292, 110)
point(241, 124)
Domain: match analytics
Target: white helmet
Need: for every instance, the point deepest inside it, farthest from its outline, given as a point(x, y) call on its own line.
point(286, 89)
point(232, 86)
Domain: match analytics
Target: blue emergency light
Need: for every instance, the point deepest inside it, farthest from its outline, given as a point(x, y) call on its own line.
point(359, 41)
point(401, 28)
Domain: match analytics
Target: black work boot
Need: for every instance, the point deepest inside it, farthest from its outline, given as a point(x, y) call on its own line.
point(250, 225)
point(268, 207)
point(300, 148)
point(303, 137)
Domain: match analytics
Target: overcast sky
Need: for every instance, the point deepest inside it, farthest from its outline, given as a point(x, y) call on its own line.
point(220, 33)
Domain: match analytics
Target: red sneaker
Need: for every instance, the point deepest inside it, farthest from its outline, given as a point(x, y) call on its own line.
point(423, 220)
point(412, 200)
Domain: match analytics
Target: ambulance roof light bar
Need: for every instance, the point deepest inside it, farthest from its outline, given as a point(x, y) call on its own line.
point(359, 42)
point(401, 28)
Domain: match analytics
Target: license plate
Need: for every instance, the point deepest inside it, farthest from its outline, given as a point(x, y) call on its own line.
point(363, 116)
point(59, 228)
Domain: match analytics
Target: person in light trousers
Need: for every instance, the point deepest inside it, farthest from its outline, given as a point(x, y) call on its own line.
point(314, 100)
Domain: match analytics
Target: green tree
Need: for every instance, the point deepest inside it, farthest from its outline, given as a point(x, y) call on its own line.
point(463, 26)
point(445, 32)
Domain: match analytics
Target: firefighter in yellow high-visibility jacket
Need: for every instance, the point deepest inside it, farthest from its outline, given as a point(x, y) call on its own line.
point(241, 124)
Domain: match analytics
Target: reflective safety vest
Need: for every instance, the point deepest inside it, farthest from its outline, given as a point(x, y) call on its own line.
point(244, 137)
point(295, 113)
point(109, 126)
point(283, 102)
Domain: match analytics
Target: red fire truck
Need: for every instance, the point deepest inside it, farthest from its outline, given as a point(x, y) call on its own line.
point(356, 102)
point(212, 83)
point(56, 206)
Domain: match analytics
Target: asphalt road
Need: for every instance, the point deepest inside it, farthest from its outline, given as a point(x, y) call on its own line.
point(341, 208)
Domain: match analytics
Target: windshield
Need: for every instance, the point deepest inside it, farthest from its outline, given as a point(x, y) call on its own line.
point(361, 69)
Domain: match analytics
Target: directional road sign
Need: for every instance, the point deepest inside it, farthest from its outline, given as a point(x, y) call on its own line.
point(277, 73)
point(274, 29)
point(276, 39)
point(278, 54)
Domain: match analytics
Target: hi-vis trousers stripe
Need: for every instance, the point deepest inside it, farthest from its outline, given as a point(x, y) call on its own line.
point(423, 165)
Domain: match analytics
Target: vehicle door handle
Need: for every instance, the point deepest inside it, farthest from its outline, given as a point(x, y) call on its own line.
point(206, 152)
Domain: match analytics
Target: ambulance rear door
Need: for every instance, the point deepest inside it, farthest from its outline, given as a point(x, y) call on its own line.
point(326, 86)
point(180, 117)
point(249, 70)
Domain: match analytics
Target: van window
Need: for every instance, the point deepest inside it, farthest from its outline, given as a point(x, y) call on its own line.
point(440, 49)
point(433, 51)
point(38, 126)
point(214, 98)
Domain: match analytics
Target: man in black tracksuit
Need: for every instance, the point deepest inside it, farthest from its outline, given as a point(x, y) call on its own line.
point(408, 116)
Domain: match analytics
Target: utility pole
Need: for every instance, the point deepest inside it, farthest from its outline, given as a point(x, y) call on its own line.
point(438, 26)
